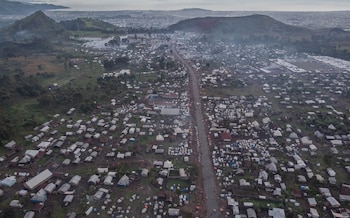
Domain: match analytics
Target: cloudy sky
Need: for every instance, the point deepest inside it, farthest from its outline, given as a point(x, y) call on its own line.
point(224, 5)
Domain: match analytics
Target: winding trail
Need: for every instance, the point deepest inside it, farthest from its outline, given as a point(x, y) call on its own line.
point(209, 179)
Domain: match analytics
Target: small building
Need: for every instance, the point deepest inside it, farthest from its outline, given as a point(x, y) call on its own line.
point(8, 181)
point(10, 145)
point(68, 199)
point(124, 181)
point(75, 180)
point(312, 202)
point(94, 179)
point(174, 212)
point(31, 153)
point(108, 180)
point(331, 172)
point(49, 188)
point(71, 215)
point(16, 203)
point(170, 111)
point(159, 138)
point(325, 192)
point(100, 193)
point(251, 213)
point(38, 179)
point(168, 164)
point(277, 213)
point(144, 172)
point(333, 202)
point(66, 162)
point(314, 213)
point(64, 188)
point(39, 197)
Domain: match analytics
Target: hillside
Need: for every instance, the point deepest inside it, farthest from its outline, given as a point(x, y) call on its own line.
point(19, 8)
point(333, 42)
point(88, 24)
point(246, 27)
point(37, 25)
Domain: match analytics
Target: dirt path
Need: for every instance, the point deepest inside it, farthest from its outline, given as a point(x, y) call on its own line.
point(208, 176)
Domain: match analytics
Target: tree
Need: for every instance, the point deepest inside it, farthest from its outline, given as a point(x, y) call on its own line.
point(45, 100)
point(78, 97)
point(108, 64)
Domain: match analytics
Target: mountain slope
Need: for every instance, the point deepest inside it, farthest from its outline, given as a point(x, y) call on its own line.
point(88, 24)
point(19, 8)
point(247, 26)
point(264, 29)
point(37, 25)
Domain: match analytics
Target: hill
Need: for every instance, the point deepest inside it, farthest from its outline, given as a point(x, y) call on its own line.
point(264, 29)
point(37, 25)
point(88, 24)
point(19, 8)
point(253, 26)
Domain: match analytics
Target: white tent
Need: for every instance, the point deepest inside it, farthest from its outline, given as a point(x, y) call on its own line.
point(75, 180)
point(263, 175)
point(256, 125)
point(8, 181)
point(144, 172)
point(124, 181)
point(271, 167)
point(293, 135)
point(168, 164)
point(266, 120)
point(159, 138)
point(277, 133)
point(94, 179)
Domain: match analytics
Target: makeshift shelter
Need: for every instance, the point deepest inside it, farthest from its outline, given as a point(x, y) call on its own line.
point(277, 133)
point(8, 181)
point(75, 180)
point(94, 179)
point(173, 212)
point(10, 145)
point(277, 213)
point(251, 213)
point(333, 202)
point(49, 188)
point(124, 181)
point(64, 188)
point(144, 172)
point(293, 135)
point(159, 138)
point(68, 199)
point(271, 167)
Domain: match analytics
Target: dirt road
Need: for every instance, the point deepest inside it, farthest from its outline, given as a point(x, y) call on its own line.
point(209, 179)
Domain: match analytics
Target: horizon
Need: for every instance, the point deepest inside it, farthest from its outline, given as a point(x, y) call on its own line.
point(212, 5)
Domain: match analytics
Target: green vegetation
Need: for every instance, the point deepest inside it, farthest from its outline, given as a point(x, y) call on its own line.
point(59, 211)
point(83, 170)
point(90, 25)
point(38, 78)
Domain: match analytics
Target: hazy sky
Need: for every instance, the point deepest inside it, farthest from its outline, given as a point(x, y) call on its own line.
point(226, 5)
